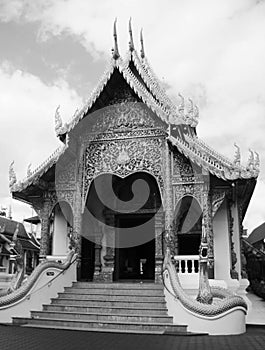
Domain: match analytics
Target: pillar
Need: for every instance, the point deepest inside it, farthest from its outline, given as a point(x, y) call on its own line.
point(208, 222)
point(77, 225)
point(168, 200)
point(159, 225)
point(45, 233)
point(108, 266)
point(98, 247)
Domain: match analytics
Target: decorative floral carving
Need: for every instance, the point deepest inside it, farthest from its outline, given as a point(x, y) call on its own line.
point(141, 155)
point(182, 166)
point(217, 200)
point(233, 272)
point(66, 195)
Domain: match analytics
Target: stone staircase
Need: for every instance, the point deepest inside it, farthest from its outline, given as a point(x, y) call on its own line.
point(109, 307)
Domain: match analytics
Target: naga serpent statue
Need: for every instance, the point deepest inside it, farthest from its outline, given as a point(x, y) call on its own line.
point(224, 300)
point(211, 301)
point(19, 289)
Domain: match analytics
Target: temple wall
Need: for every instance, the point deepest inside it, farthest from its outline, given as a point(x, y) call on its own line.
point(221, 244)
point(60, 239)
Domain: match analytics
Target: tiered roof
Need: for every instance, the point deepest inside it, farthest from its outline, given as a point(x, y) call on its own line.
point(138, 74)
point(8, 228)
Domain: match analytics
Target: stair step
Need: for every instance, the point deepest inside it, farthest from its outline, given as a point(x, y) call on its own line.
point(107, 310)
point(105, 297)
point(107, 307)
point(83, 316)
point(115, 291)
point(116, 285)
point(114, 325)
point(108, 303)
point(106, 330)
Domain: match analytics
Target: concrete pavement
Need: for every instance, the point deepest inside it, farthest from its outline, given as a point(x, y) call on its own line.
point(22, 338)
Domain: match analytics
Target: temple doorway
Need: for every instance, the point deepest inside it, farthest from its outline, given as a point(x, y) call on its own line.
point(134, 262)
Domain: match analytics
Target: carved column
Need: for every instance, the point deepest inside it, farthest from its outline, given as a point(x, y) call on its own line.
point(98, 247)
point(108, 267)
point(168, 194)
point(208, 222)
point(244, 274)
point(233, 272)
point(77, 227)
point(159, 224)
point(45, 226)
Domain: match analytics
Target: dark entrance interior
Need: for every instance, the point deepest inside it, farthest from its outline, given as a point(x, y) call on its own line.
point(126, 207)
point(87, 259)
point(135, 262)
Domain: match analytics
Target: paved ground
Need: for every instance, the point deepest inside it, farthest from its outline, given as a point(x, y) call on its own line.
point(19, 338)
point(256, 310)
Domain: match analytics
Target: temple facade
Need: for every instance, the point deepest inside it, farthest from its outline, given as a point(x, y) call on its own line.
point(133, 180)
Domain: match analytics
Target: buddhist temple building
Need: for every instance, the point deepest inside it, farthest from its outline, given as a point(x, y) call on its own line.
point(29, 244)
point(143, 201)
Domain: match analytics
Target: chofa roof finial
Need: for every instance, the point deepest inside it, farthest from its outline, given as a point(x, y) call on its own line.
point(257, 161)
point(29, 171)
point(131, 44)
point(115, 50)
point(250, 164)
point(142, 44)
point(182, 103)
point(12, 175)
point(58, 121)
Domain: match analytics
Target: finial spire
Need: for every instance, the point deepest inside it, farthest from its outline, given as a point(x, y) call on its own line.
point(12, 175)
point(29, 171)
point(250, 164)
point(191, 107)
point(115, 50)
point(182, 103)
point(237, 158)
point(257, 161)
point(58, 121)
point(142, 44)
point(10, 212)
point(131, 44)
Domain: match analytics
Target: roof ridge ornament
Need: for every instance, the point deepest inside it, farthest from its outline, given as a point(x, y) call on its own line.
point(182, 103)
point(12, 174)
point(256, 161)
point(142, 44)
point(131, 44)
point(115, 50)
point(29, 171)
point(237, 157)
point(196, 111)
point(58, 121)
point(250, 164)
point(191, 107)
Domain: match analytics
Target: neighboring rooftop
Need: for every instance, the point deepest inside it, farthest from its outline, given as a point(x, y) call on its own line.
point(257, 234)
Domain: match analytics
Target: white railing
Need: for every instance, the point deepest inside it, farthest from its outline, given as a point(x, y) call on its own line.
point(187, 264)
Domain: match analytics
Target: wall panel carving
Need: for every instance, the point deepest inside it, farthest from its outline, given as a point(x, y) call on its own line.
point(122, 158)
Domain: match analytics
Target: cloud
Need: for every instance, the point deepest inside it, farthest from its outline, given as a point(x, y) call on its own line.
point(27, 108)
point(211, 50)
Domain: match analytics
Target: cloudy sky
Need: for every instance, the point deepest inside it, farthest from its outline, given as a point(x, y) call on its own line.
point(52, 52)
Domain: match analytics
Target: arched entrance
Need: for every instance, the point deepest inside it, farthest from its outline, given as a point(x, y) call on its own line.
point(188, 225)
point(120, 219)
